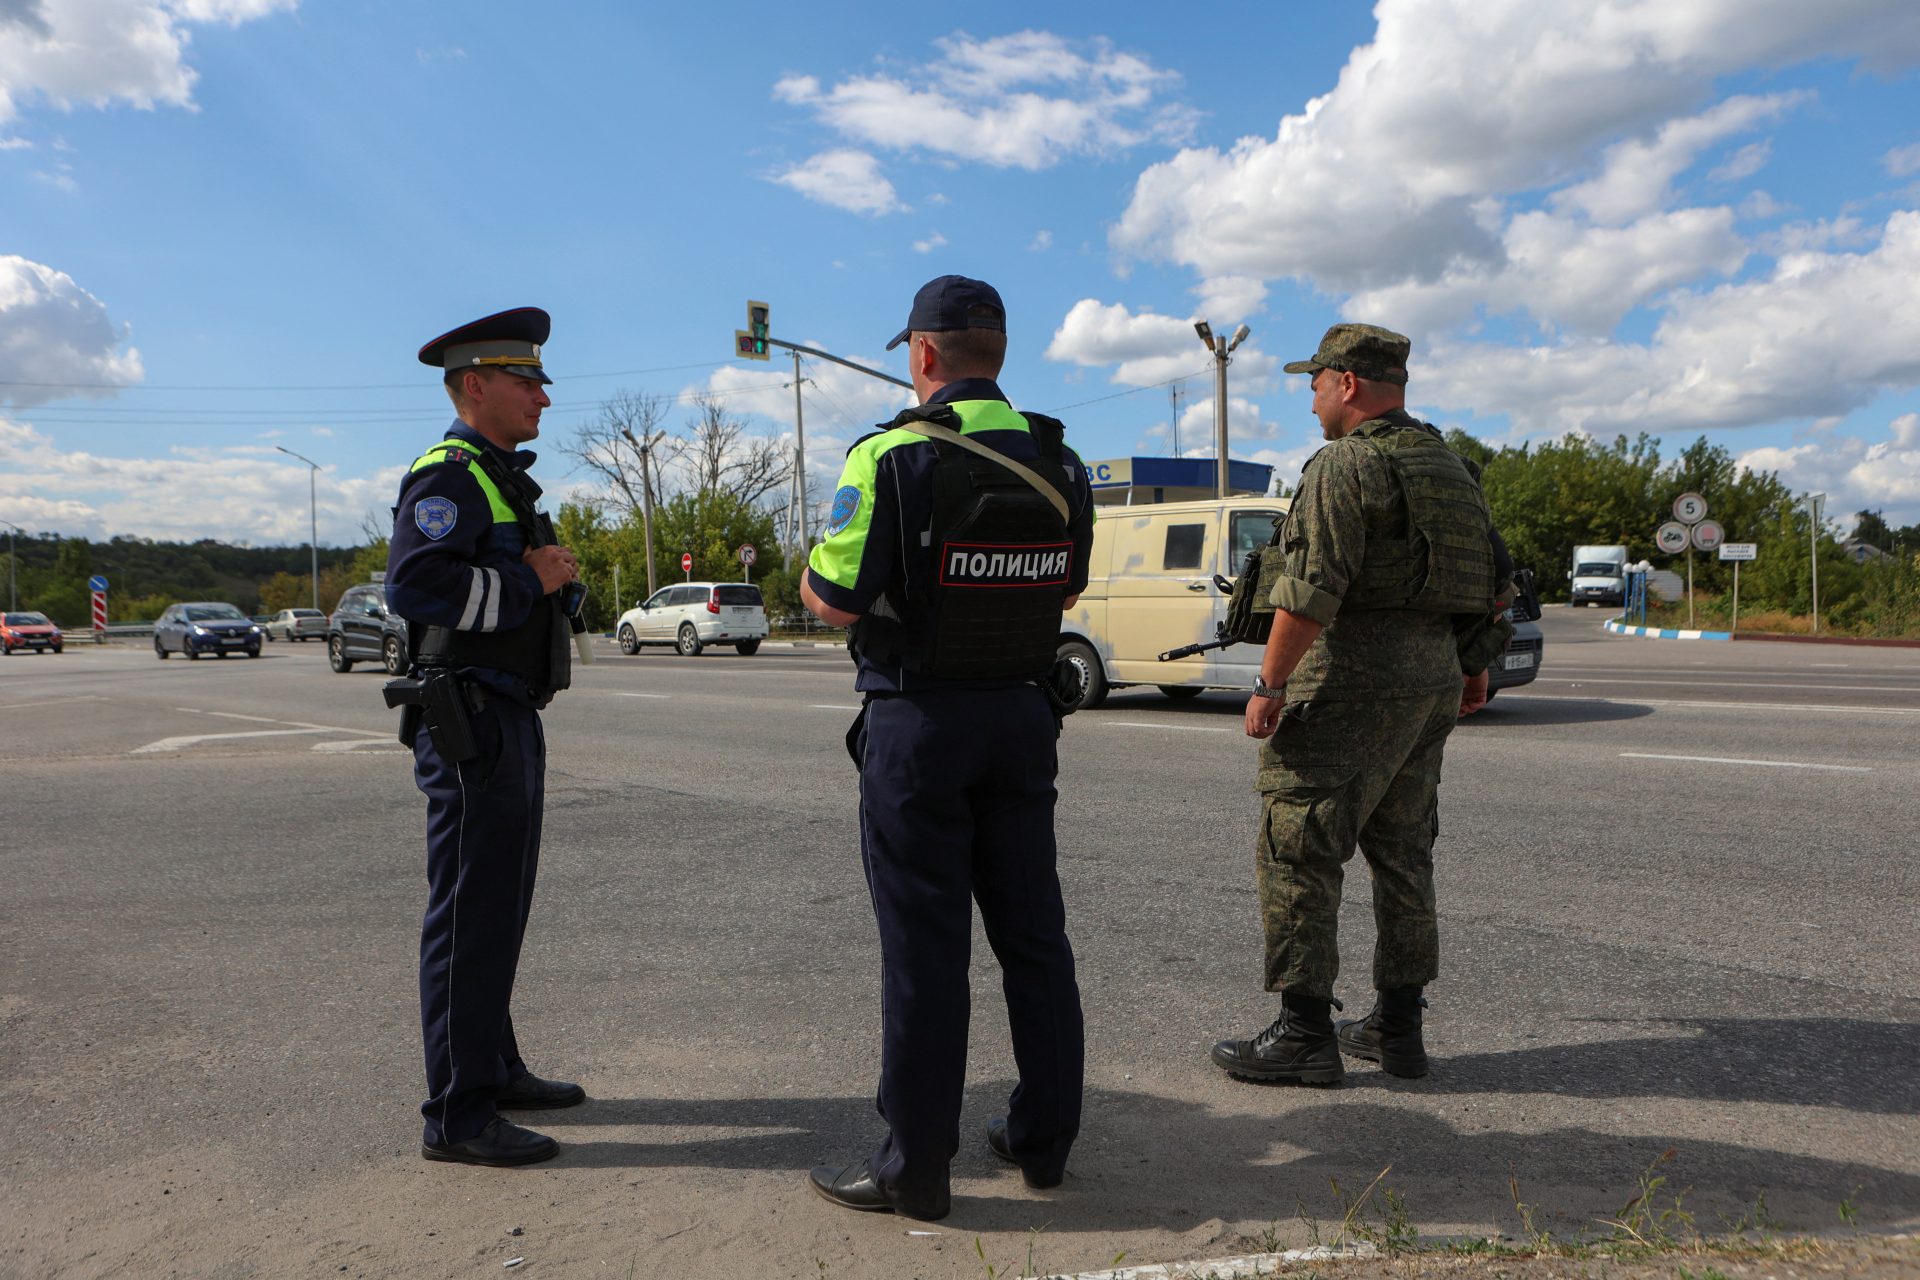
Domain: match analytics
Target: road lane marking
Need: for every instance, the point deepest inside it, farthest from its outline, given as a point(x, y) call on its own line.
point(1182, 728)
point(1510, 696)
point(618, 693)
point(1771, 764)
point(1735, 684)
point(50, 702)
point(829, 706)
point(336, 748)
point(194, 739)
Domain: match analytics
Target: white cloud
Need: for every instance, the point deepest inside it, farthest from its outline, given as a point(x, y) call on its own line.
point(263, 497)
point(16, 144)
point(1854, 474)
point(1744, 163)
point(1903, 162)
point(1147, 347)
point(932, 242)
point(72, 53)
point(1761, 205)
point(1566, 275)
point(1230, 299)
point(1636, 176)
point(1823, 334)
point(1386, 178)
point(60, 179)
point(1042, 241)
point(845, 179)
point(54, 333)
point(1027, 100)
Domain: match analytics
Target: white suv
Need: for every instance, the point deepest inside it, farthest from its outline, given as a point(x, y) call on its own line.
point(692, 615)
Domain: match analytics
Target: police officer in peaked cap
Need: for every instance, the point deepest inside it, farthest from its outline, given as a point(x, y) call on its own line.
point(952, 569)
point(473, 569)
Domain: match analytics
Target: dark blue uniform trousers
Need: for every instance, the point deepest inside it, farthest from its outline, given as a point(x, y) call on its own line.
point(956, 803)
point(483, 846)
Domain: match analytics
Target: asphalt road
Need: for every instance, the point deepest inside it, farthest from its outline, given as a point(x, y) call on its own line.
point(1678, 894)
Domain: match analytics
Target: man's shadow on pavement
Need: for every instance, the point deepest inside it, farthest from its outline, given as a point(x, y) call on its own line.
point(1151, 1162)
point(1846, 1063)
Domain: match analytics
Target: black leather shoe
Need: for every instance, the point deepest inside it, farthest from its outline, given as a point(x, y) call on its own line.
point(501, 1143)
point(854, 1188)
point(997, 1143)
point(530, 1093)
point(1299, 1048)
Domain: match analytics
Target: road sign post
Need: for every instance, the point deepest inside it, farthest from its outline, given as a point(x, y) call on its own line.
point(98, 586)
point(747, 558)
point(1736, 552)
point(686, 564)
point(1690, 509)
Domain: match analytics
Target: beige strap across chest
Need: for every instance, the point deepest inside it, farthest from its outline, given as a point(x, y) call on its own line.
point(935, 432)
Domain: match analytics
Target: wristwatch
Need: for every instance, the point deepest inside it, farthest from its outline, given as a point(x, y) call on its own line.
point(1261, 689)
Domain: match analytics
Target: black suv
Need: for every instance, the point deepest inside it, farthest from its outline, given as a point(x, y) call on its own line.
point(363, 629)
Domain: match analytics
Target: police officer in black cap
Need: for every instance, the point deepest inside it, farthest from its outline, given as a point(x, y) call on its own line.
point(473, 569)
point(959, 532)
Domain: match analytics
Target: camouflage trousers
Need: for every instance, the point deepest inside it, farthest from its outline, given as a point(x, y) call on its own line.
point(1333, 776)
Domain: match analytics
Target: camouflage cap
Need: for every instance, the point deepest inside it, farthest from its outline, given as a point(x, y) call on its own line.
point(1364, 350)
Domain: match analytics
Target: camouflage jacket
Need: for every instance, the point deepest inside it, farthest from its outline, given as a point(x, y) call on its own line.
point(1348, 496)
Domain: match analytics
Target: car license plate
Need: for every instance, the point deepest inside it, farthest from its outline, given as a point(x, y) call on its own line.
point(1518, 660)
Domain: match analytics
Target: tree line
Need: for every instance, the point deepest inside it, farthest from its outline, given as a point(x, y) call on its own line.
point(708, 485)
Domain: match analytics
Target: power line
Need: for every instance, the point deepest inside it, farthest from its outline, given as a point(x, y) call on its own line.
point(1132, 392)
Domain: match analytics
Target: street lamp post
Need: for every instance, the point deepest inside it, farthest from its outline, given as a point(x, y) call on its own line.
point(1221, 348)
point(1813, 551)
point(13, 561)
point(313, 517)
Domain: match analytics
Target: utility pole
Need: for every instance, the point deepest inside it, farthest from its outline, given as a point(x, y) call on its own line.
point(1813, 551)
point(313, 516)
point(13, 561)
point(646, 499)
point(1173, 394)
point(1221, 349)
point(800, 454)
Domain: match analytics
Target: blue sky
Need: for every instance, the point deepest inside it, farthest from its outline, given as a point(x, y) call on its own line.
point(227, 225)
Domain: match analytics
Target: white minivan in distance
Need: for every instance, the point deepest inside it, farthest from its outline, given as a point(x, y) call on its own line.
point(692, 615)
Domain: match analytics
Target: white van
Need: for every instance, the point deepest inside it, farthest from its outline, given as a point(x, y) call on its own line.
point(1150, 588)
point(1598, 576)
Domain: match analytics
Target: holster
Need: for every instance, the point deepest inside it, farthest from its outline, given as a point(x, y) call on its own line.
point(444, 702)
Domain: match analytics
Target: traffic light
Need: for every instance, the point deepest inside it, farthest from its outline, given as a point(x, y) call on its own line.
point(750, 343)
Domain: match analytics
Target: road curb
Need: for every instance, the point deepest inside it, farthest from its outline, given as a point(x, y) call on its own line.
point(1662, 633)
point(1667, 633)
point(1258, 1264)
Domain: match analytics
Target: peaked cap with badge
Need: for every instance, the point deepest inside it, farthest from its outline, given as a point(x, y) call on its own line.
point(508, 340)
point(1364, 350)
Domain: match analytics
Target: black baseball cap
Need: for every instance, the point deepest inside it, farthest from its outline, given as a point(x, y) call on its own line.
point(954, 302)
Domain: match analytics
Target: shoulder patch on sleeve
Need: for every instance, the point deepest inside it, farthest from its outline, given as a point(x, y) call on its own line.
point(846, 504)
point(436, 516)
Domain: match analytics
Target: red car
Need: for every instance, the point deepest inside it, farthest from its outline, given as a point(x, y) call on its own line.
point(33, 631)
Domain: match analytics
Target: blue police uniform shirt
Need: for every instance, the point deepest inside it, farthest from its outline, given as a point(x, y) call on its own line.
point(883, 511)
point(449, 564)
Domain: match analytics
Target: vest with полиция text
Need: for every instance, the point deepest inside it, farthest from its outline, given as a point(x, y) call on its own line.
point(536, 651)
point(1003, 558)
point(1445, 565)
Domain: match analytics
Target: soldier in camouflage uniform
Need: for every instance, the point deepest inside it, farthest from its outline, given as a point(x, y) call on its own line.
point(1387, 597)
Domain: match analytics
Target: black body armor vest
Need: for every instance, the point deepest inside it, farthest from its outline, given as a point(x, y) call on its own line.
point(537, 651)
point(1002, 561)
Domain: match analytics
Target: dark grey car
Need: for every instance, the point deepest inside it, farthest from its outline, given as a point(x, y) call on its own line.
point(206, 626)
point(363, 629)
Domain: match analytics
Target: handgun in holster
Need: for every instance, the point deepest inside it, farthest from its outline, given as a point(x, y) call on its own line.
point(442, 701)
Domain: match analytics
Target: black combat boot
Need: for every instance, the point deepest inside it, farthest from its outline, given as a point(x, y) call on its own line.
point(1390, 1033)
point(1299, 1048)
